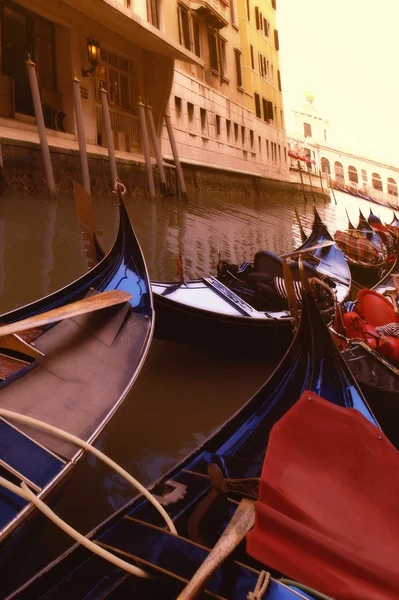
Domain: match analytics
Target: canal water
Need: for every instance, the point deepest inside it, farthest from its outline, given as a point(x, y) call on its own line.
point(183, 393)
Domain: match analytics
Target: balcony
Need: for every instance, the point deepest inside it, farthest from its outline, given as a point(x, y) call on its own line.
point(214, 12)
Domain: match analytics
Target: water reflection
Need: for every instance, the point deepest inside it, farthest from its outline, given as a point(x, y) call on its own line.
point(183, 393)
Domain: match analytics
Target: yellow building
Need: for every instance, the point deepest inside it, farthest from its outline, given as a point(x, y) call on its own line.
point(228, 112)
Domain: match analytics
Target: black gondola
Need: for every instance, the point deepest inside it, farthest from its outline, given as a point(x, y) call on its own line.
point(234, 454)
point(73, 374)
point(208, 311)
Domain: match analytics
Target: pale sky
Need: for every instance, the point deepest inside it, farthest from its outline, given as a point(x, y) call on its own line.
point(347, 53)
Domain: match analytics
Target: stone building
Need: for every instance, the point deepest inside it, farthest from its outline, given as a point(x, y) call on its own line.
point(342, 167)
point(213, 64)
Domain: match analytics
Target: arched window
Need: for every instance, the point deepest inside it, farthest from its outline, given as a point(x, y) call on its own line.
point(339, 172)
point(353, 177)
point(376, 180)
point(392, 187)
point(325, 166)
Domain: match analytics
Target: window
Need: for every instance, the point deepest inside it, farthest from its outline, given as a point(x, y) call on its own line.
point(376, 182)
point(232, 12)
point(265, 109)
point(339, 172)
point(325, 166)
point(260, 57)
point(213, 51)
point(282, 119)
point(352, 173)
point(196, 36)
point(257, 106)
point(243, 135)
point(217, 120)
point(257, 18)
point(392, 187)
point(190, 112)
point(275, 113)
point(203, 121)
point(266, 27)
point(178, 110)
point(260, 144)
point(276, 40)
point(114, 71)
point(274, 4)
point(267, 148)
point(238, 67)
point(152, 12)
point(184, 26)
point(228, 129)
point(279, 80)
point(307, 130)
point(285, 155)
point(251, 49)
point(236, 132)
point(223, 57)
point(251, 138)
point(279, 153)
point(248, 10)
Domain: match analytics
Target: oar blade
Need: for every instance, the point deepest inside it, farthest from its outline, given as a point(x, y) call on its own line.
point(87, 305)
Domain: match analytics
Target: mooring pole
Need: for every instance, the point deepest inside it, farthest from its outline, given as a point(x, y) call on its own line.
point(145, 144)
point(303, 187)
point(37, 105)
point(157, 150)
point(108, 133)
point(84, 165)
point(311, 185)
point(179, 170)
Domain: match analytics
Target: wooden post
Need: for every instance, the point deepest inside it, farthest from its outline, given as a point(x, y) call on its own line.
point(303, 187)
point(37, 104)
point(81, 133)
point(1, 170)
point(179, 171)
point(108, 133)
point(146, 149)
point(311, 185)
point(157, 150)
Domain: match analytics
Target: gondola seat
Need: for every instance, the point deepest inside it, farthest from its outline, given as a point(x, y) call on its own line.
point(373, 310)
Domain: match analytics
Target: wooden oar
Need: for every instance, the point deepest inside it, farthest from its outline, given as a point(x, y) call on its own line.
point(301, 230)
point(90, 304)
point(305, 250)
point(242, 521)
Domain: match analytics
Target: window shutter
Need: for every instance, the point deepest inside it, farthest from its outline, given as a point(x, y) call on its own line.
point(257, 17)
point(276, 41)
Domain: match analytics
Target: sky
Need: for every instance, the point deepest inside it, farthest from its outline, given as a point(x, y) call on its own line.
point(346, 52)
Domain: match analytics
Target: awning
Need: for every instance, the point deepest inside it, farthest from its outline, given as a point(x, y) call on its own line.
point(132, 27)
point(211, 11)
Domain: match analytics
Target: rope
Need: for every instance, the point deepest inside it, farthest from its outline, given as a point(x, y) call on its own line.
point(305, 588)
point(27, 494)
point(75, 440)
point(261, 586)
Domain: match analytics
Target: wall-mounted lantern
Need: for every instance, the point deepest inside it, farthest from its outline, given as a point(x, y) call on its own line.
point(93, 52)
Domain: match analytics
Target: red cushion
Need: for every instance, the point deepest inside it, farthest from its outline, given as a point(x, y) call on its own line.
point(327, 513)
point(375, 308)
point(389, 347)
point(354, 326)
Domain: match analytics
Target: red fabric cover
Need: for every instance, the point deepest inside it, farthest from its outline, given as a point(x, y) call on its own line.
point(355, 328)
point(375, 308)
point(389, 347)
point(328, 511)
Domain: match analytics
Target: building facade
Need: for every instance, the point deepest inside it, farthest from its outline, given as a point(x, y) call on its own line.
point(228, 113)
point(343, 168)
point(213, 64)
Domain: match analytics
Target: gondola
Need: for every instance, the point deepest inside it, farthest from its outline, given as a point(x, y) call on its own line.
point(377, 376)
point(356, 243)
point(202, 493)
point(72, 374)
point(211, 311)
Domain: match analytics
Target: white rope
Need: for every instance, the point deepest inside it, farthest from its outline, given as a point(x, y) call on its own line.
point(27, 494)
point(72, 438)
point(261, 586)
